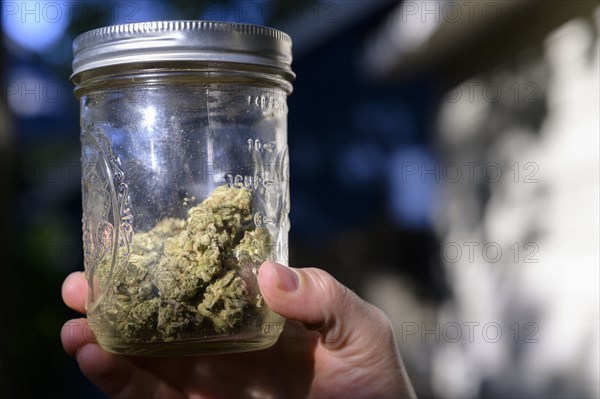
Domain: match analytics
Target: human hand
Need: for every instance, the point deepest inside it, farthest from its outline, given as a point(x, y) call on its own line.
point(333, 345)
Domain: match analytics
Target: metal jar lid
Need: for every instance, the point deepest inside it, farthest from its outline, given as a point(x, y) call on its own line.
point(183, 41)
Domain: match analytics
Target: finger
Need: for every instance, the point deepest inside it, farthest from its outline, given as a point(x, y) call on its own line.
point(75, 291)
point(313, 297)
point(75, 334)
point(119, 378)
point(111, 373)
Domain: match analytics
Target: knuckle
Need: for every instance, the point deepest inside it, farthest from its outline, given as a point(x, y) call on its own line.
point(328, 287)
point(338, 302)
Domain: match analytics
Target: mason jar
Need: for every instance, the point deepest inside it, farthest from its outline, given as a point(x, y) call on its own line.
point(184, 182)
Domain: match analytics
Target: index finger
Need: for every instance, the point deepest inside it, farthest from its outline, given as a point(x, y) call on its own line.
point(75, 291)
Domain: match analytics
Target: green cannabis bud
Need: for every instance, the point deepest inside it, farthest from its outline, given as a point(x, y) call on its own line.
point(187, 278)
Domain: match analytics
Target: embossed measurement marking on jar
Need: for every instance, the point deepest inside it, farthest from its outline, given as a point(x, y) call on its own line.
point(261, 219)
point(255, 145)
point(247, 181)
point(266, 102)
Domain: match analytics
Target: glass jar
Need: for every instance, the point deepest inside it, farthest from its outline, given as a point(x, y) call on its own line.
point(184, 182)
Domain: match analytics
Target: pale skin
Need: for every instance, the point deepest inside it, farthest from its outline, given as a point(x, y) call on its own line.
point(334, 345)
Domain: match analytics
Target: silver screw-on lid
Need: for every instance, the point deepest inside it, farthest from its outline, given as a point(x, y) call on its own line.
point(183, 41)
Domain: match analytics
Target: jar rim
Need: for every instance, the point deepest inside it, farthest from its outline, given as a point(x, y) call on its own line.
point(183, 40)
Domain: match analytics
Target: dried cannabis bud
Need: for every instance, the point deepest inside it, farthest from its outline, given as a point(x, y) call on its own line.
point(186, 278)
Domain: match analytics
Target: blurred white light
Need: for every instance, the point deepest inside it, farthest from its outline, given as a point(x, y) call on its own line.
point(149, 117)
point(34, 25)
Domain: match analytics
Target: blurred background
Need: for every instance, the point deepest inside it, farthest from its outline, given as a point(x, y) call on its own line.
point(444, 165)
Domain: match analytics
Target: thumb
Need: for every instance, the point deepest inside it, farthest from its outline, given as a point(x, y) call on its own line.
point(356, 334)
point(316, 299)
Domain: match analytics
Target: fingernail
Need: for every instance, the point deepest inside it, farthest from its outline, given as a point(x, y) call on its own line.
point(287, 279)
